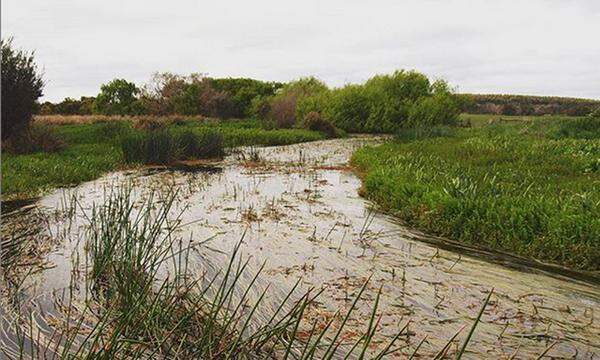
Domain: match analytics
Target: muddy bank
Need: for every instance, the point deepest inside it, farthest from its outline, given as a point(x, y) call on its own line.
point(296, 209)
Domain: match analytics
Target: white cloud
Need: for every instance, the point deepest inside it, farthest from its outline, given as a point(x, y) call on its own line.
point(546, 47)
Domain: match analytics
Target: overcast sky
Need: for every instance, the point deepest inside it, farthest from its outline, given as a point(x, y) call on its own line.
point(545, 47)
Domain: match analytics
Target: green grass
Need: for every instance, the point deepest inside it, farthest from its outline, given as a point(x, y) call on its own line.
point(29, 174)
point(526, 187)
point(94, 149)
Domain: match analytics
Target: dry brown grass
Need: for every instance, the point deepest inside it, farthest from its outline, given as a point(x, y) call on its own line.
point(91, 119)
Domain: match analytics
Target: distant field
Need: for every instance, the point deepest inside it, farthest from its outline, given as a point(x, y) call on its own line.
point(478, 120)
point(497, 104)
point(529, 187)
point(92, 119)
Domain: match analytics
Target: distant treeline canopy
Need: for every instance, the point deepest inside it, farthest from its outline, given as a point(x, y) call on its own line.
point(197, 94)
point(168, 93)
point(528, 105)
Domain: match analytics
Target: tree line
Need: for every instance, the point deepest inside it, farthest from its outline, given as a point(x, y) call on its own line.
point(168, 94)
point(528, 105)
point(384, 103)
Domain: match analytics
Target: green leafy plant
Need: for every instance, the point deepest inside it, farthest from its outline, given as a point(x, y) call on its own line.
point(22, 85)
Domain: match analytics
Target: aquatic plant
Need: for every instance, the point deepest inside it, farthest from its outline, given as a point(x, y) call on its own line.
point(507, 186)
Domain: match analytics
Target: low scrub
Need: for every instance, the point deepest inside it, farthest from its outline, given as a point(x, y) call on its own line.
point(150, 123)
point(36, 138)
point(315, 122)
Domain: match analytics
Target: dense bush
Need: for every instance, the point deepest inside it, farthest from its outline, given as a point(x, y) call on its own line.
point(111, 131)
point(118, 97)
point(439, 109)
point(349, 108)
point(35, 138)
point(259, 108)
point(243, 91)
point(386, 103)
point(391, 97)
point(149, 123)
point(315, 122)
point(170, 94)
point(282, 111)
point(69, 106)
point(22, 85)
point(151, 147)
point(316, 102)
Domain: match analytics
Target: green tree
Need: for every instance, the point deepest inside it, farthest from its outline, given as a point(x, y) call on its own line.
point(118, 97)
point(22, 85)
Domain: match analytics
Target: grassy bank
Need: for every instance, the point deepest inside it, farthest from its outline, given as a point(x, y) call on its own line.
point(95, 148)
point(526, 187)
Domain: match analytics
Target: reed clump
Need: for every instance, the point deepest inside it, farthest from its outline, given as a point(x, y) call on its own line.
point(163, 147)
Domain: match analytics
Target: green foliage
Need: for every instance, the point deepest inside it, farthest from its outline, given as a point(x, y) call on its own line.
point(69, 106)
point(508, 186)
point(260, 107)
point(22, 85)
point(383, 104)
point(349, 108)
point(243, 91)
point(111, 131)
point(29, 174)
point(283, 107)
point(580, 128)
point(150, 147)
point(118, 97)
point(439, 109)
point(386, 103)
point(316, 102)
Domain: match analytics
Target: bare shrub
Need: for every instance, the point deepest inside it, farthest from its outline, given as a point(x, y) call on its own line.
point(314, 121)
point(282, 112)
point(150, 123)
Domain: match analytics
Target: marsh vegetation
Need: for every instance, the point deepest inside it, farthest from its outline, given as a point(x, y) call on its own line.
point(166, 227)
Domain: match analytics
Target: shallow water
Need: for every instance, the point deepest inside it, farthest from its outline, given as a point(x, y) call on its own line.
point(297, 210)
